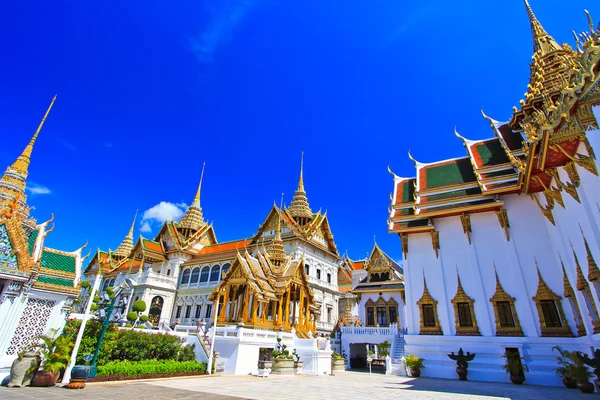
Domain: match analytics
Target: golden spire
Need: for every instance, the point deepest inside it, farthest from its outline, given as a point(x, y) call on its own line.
point(541, 40)
point(567, 289)
point(593, 271)
point(127, 245)
point(277, 250)
point(22, 163)
point(196, 201)
point(193, 219)
point(581, 283)
point(299, 208)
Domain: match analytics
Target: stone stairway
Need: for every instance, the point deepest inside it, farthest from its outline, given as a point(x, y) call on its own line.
point(396, 355)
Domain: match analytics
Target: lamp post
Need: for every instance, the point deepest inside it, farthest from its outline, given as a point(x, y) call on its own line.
point(86, 316)
point(108, 314)
point(212, 340)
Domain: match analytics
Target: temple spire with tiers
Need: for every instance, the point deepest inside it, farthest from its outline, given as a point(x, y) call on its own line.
point(299, 208)
point(277, 250)
point(14, 180)
point(193, 219)
point(127, 245)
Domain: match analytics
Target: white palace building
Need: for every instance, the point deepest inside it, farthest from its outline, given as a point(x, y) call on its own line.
point(500, 246)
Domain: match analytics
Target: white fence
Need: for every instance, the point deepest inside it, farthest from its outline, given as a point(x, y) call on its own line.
point(372, 330)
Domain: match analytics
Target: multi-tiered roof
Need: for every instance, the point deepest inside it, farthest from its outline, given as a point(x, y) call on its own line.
point(523, 154)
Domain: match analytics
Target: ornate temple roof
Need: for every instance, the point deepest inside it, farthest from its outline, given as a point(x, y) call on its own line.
point(523, 153)
point(127, 244)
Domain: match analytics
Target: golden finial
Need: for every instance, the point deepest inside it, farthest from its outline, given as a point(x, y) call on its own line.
point(541, 40)
point(301, 181)
point(589, 17)
point(133, 224)
point(412, 159)
point(22, 163)
point(458, 135)
point(390, 171)
point(197, 198)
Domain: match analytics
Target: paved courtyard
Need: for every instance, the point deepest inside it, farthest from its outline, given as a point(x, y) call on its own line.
point(342, 386)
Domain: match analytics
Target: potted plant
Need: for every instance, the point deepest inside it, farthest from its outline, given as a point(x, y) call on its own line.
point(564, 370)
point(24, 367)
point(462, 364)
point(338, 363)
point(594, 363)
point(283, 362)
point(581, 374)
point(264, 365)
point(414, 364)
point(80, 373)
point(298, 365)
point(514, 367)
point(56, 354)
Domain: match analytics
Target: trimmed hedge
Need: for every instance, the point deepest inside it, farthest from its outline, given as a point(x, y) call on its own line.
point(148, 367)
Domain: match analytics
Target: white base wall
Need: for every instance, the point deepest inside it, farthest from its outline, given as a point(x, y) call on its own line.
point(537, 352)
point(239, 347)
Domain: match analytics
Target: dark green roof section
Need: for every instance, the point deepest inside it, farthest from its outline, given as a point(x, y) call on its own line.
point(407, 190)
point(31, 240)
point(456, 193)
point(58, 262)
point(490, 153)
point(449, 173)
point(51, 280)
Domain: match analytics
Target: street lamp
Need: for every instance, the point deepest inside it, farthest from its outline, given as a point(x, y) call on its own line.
point(106, 314)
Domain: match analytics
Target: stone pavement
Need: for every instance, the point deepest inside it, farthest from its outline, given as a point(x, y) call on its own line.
point(341, 386)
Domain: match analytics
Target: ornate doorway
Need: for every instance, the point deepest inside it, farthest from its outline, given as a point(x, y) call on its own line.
point(155, 310)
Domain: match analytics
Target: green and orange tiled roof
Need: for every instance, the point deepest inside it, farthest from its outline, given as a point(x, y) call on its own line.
point(459, 185)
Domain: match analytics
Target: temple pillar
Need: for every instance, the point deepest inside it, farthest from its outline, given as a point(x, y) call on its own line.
point(279, 320)
point(301, 315)
point(254, 309)
point(246, 301)
point(287, 307)
point(232, 306)
point(224, 305)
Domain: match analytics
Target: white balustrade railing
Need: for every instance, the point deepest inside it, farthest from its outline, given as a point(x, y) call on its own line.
point(149, 277)
point(390, 330)
point(322, 283)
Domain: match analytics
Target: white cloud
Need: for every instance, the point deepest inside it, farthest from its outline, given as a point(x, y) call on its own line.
point(160, 213)
point(68, 145)
point(145, 227)
point(34, 189)
point(225, 16)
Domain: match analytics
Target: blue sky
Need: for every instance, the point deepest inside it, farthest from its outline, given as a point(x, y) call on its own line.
point(148, 91)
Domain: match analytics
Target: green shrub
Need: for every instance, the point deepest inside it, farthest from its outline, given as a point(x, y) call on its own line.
point(144, 319)
point(128, 326)
point(139, 306)
point(132, 316)
point(127, 344)
point(129, 368)
point(85, 284)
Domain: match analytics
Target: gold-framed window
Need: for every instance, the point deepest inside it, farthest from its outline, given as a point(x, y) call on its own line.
point(464, 313)
point(429, 321)
point(505, 314)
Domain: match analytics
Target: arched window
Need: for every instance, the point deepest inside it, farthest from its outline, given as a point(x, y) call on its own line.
point(214, 273)
point(185, 278)
point(204, 274)
point(225, 269)
point(195, 276)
